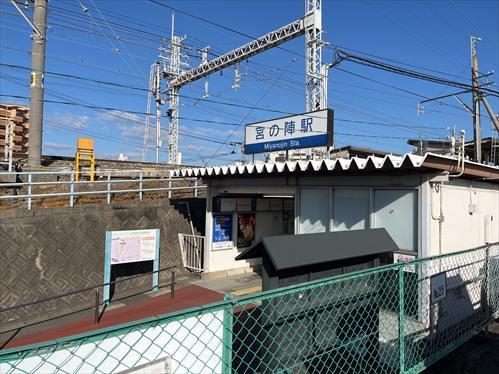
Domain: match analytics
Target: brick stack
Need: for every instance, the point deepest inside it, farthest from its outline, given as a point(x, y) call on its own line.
point(19, 116)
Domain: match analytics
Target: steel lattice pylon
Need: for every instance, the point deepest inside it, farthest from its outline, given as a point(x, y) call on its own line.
point(313, 47)
point(310, 25)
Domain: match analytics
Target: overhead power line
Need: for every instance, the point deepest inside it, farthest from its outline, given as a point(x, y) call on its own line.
point(225, 103)
point(281, 85)
point(410, 73)
point(232, 143)
point(236, 124)
point(223, 27)
point(341, 47)
point(400, 89)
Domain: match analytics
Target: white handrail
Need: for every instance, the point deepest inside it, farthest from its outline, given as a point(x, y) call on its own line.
point(140, 180)
point(192, 247)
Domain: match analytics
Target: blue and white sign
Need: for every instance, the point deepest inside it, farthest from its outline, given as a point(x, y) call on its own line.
point(222, 231)
point(313, 129)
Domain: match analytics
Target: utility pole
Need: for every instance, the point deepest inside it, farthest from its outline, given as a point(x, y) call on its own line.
point(478, 95)
point(477, 132)
point(39, 27)
point(36, 86)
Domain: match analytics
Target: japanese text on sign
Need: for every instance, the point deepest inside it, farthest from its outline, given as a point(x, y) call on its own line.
point(133, 246)
point(299, 131)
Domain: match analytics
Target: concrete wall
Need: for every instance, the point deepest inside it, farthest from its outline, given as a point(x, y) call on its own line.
point(471, 215)
point(45, 252)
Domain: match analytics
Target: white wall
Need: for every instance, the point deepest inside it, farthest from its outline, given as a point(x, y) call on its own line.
point(190, 345)
point(461, 230)
point(466, 206)
point(223, 260)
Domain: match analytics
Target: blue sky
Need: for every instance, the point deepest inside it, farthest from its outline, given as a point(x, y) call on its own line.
point(426, 34)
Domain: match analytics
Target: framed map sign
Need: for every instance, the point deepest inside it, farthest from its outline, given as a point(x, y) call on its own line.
point(130, 246)
point(133, 246)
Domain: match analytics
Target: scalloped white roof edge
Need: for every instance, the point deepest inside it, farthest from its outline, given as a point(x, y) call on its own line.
point(354, 163)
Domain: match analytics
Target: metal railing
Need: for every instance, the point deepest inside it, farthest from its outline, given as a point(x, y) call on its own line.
point(391, 319)
point(192, 247)
point(107, 183)
point(97, 287)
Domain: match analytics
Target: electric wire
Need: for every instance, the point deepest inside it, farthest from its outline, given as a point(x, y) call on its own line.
point(183, 132)
point(215, 101)
point(410, 73)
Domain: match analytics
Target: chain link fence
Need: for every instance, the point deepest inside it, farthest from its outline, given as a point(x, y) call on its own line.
point(393, 319)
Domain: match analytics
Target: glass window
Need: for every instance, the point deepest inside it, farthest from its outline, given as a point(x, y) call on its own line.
point(263, 205)
point(275, 204)
point(228, 204)
point(243, 204)
point(350, 209)
point(289, 204)
point(396, 211)
point(314, 210)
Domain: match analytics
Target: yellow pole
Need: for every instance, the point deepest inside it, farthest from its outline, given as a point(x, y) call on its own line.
point(76, 166)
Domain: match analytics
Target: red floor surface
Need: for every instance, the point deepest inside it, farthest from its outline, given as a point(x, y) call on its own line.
point(186, 297)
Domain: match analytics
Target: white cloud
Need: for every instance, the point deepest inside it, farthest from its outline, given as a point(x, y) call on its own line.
point(58, 147)
point(132, 155)
point(71, 120)
point(194, 148)
point(122, 116)
point(234, 133)
point(199, 149)
point(128, 124)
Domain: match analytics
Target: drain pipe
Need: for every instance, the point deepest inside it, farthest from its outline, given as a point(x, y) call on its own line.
point(460, 157)
point(439, 188)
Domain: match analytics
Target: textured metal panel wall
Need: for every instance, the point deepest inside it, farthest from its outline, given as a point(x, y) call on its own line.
point(46, 252)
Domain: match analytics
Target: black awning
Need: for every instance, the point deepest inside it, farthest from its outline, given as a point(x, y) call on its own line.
point(292, 251)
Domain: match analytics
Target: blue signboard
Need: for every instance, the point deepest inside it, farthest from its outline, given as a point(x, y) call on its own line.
point(222, 231)
point(306, 130)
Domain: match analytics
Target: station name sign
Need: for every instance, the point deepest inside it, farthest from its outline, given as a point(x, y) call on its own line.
point(313, 129)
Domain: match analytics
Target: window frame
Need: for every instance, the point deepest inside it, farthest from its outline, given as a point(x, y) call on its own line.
point(372, 189)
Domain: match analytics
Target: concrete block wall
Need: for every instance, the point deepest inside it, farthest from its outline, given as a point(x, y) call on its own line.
point(45, 252)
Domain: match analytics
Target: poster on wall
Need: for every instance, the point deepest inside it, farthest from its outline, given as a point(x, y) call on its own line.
point(222, 231)
point(245, 230)
point(133, 246)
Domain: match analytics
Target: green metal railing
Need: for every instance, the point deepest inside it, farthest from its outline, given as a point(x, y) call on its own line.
point(391, 319)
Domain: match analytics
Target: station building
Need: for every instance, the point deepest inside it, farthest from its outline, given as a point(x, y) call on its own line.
point(429, 204)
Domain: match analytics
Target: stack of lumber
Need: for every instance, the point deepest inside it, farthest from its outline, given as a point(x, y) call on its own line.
point(19, 116)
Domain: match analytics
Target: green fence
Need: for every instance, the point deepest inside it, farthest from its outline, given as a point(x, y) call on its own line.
point(395, 318)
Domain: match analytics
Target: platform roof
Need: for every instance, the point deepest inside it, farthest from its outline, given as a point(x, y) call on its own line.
point(407, 163)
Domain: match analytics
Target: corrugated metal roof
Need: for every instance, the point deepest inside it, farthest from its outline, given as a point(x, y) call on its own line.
point(354, 163)
point(389, 162)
